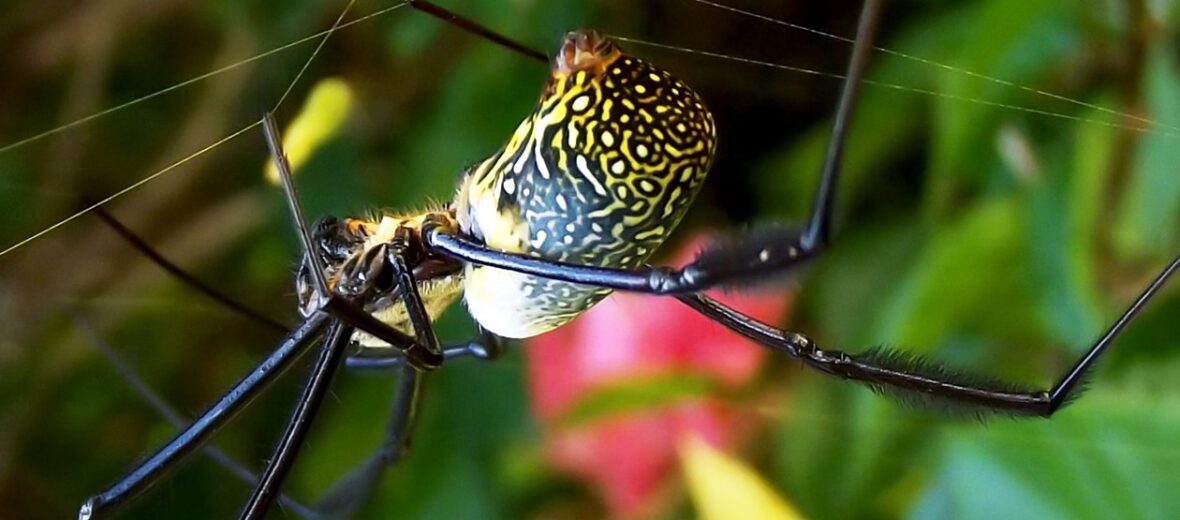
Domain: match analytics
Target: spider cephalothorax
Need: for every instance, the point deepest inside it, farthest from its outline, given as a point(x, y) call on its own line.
point(358, 258)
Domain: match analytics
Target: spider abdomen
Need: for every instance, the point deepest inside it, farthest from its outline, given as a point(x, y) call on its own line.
point(599, 174)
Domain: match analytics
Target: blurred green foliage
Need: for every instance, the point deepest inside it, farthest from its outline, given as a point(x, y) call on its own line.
point(996, 238)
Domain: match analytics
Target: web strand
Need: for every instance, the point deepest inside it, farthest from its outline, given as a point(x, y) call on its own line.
point(322, 35)
point(197, 79)
point(130, 188)
point(904, 88)
point(1173, 130)
point(307, 63)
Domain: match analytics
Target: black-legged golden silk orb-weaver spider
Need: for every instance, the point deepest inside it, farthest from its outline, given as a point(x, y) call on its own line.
point(572, 207)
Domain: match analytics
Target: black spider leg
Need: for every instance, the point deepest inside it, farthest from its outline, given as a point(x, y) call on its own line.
point(475, 28)
point(924, 382)
point(196, 434)
point(168, 413)
point(353, 489)
point(184, 276)
point(271, 481)
point(649, 280)
point(486, 346)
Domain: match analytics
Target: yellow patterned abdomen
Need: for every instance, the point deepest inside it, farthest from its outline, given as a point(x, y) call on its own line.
point(599, 174)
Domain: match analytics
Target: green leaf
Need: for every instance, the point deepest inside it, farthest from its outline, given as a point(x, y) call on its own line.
point(969, 275)
point(1064, 217)
point(1020, 41)
point(1147, 219)
point(637, 394)
point(1112, 456)
point(841, 448)
point(886, 120)
point(848, 294)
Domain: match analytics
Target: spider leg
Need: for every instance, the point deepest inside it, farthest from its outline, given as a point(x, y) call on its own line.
point(183, 276)
point(921, 382)
point(301, 418)
point(649, 280)
point(352, 490)
point(192, 438)
point(486, 346)
point(475, 28)
point(169, 414)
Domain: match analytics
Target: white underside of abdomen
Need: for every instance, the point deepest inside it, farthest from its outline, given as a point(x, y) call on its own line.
point(514, 305)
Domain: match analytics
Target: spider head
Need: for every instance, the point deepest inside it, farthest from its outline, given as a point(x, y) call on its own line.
point(335, 241)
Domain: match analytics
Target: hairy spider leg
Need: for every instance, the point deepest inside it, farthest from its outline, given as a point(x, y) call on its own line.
point(919, 381)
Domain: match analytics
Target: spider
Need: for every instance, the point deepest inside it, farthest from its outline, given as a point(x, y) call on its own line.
point(405, 270)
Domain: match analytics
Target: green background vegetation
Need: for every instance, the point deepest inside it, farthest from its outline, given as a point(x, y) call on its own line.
point(992, 238)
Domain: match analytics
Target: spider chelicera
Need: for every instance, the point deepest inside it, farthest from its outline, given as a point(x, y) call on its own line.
point(571, 208)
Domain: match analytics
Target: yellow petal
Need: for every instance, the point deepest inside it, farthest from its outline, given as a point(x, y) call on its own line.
point(322, 115)
point(722, 487)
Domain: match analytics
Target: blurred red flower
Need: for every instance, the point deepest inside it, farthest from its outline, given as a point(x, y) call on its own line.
point(627, 455)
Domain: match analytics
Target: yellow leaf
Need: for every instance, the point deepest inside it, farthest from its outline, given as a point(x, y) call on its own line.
point(322, 115)
point(722, 487)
